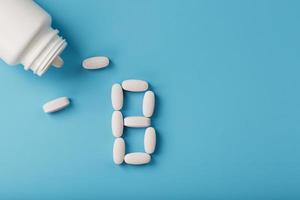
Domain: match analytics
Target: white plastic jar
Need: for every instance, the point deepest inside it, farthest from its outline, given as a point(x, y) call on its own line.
point(26, 36)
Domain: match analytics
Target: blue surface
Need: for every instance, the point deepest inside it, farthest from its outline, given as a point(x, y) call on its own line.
point(226, 75)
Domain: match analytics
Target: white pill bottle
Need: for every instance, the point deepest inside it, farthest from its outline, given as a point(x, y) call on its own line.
point(26, 36)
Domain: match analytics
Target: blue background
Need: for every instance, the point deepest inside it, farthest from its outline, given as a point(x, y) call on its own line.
point(226, 76)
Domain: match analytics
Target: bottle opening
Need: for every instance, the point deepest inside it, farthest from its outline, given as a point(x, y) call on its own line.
point(43, 51)
point(45, 60)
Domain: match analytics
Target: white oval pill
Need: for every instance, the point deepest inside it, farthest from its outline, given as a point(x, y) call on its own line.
point(137, 158)
point(119, 151)
point(135, 85)
point(58, 62)
point(117, 97)
point(56, 104)
point(117, 124)
point(150, 140)
point(137, 122)
point(95, 62)
point(148, 104)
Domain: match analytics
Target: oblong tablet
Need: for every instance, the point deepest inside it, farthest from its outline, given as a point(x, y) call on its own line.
point(117, 124)
point(95, 62)
point(137, 122)
point(119, 151)
point(58, 62)
point(137, 158)
point(150, 140)
point(148, 104)
point(56, 104)
point(117, 96)
point(135, 85)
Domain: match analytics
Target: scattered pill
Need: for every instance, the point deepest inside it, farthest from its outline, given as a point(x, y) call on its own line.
point(117, 124)
point(95, 62)
point(137, 158)
point(117, 97)
point(135, 85)
point(137, 122)
point(150, 140)
point(56, 105)
point(119, 151)
point(148, 104)
point(58, 62)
